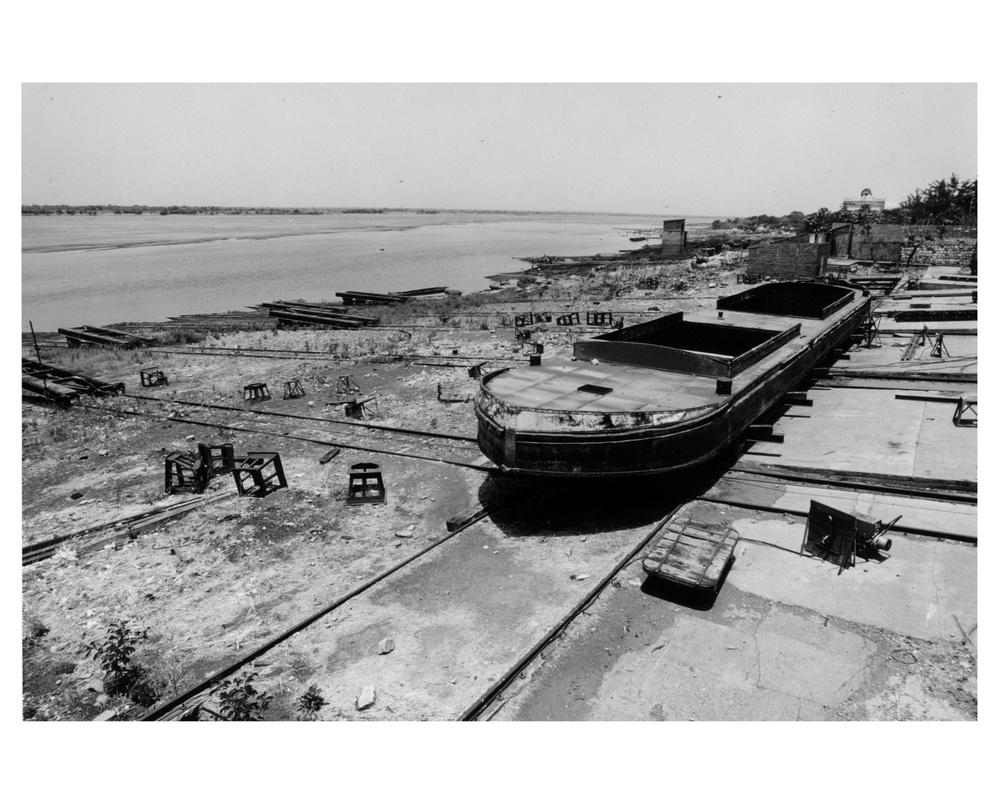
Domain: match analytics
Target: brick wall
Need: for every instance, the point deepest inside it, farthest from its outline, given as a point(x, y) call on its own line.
point(875, 250)
point(947, 252)
point(789, 259)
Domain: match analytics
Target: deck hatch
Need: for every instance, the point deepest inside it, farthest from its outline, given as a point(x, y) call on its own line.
point(672, 343)
point(595, 389)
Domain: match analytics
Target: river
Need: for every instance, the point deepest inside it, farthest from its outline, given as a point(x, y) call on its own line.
point(99, 270)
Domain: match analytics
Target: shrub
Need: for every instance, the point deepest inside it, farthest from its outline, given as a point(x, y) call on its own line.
point(309, 704)
point(240, 701)
point(123, 675)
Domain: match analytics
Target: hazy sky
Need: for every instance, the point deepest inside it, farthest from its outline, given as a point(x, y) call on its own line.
point(651, 148)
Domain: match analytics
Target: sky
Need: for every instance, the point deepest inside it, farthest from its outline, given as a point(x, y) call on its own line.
point(716, 149)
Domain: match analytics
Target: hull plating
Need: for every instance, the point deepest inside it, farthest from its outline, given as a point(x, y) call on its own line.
point(536, 440)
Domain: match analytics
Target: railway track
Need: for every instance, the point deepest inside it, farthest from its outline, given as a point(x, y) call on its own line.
point(189, 701)
point(416, 359)
point(126, 527)
point(445, 448)
point(186, 705)
point(492, 699)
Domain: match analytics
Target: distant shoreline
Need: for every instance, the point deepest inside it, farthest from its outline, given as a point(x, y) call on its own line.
point(56, 209)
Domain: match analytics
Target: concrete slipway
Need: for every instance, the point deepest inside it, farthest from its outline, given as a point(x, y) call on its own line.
point(791, 637)
point(788, 637)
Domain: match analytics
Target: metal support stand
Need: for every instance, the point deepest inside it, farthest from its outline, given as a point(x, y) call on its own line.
point(347, 385)
point(600, 318)
point(255, 392)
point(258, 474)
point(938, 350)
point(358, 409)
point(573, 318)
point(217, 458)
point(185, 472)
point(966, 413)
point(476, 370)
point(867, 335)
point(293, 389)
point(365, 484)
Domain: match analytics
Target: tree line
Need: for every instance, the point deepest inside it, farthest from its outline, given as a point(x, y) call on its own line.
point(949, 201)
point(95, 210)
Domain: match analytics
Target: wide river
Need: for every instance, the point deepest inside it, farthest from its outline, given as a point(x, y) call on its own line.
point(83, 270)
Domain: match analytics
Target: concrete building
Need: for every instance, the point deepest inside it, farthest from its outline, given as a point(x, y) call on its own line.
point(673, 240)
point(874, 204)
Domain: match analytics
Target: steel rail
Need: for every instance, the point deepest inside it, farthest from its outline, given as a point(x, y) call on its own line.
point(160, 711)
point(476, 710)
point(39, 551)
point(324, 442)
point(881, 488)
point(370, 426)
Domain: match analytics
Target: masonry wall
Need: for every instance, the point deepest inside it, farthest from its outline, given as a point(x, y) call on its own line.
point(789, 259)
point(945, 252)
point(954, 246)
point(875, 250)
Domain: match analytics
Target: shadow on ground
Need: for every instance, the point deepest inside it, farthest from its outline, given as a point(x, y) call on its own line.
point(540, 506)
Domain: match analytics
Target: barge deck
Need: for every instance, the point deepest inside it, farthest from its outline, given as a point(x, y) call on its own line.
point(666, 394)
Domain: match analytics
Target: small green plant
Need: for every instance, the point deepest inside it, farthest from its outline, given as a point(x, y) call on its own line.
point(123, 675)
point(309, 704)
point(240, 701)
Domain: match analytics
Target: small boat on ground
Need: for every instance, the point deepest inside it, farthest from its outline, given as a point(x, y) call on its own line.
point(666, 394)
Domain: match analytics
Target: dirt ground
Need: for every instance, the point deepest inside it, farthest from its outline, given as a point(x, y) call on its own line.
point(218, 580)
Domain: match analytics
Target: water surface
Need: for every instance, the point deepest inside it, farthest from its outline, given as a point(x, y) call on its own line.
point(80, 270)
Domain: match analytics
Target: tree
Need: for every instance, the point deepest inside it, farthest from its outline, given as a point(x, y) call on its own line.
point(824, 220)
point(944, 202)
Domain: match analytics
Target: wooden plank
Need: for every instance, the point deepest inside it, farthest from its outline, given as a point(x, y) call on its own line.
point(692, 555)
point(946, 397)
point(47, 388)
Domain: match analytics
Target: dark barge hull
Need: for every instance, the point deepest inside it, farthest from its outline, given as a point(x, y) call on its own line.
point(652, 450)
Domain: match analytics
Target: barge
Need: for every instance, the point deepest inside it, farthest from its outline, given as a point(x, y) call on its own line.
point(667, 394)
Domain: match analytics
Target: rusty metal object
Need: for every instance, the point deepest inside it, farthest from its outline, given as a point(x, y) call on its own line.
point(60, 384)
point(92, 334)
point(839, 537)
point(152, 377)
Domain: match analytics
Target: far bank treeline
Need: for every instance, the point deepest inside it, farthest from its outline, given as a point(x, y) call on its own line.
point(948, 201)
point(95, 210)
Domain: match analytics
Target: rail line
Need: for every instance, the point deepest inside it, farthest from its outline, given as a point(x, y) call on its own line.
point(493, 698)
point(443, 448)
point(420, 359)
point(177, 706)
point(126, 526)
